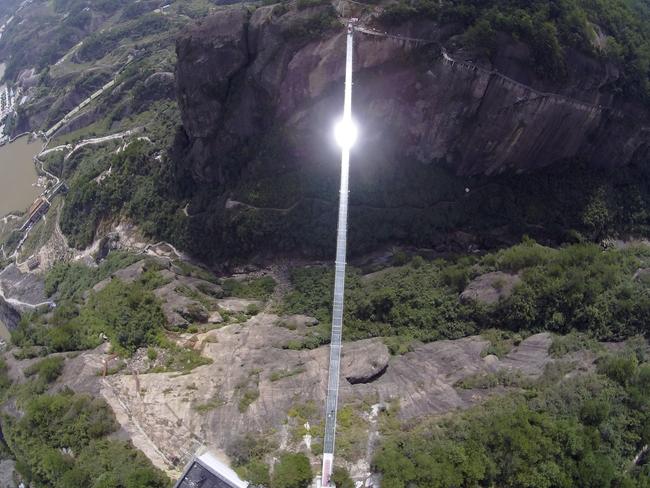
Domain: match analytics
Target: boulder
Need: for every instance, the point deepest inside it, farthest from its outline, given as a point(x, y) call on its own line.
point(299, 321)
point(364, 361)
point(215, 318)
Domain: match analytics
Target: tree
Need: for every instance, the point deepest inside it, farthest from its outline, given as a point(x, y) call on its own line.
point(341, 478)
point(293, 471)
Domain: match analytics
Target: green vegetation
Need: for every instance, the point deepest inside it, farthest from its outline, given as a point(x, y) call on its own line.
point(247, 454)
point(501, 342)
point(313, 26)
point(128, 314)
point(187, 269)
point(61, 441)
point(256, 288)
point(352, 432)
point(69, 280)
point(100, 44)
point(5, 381)
point(503, 377)
point(249, 395)
point(572, 342)
point(286, 373)
point(48, 369)
point(152, 354)
point(180, 359)
point(583, 431)
point(293, 471)
point(341, 478)
point(579, 287)
point(131, 190)
point(215, 402)
point(550, 28)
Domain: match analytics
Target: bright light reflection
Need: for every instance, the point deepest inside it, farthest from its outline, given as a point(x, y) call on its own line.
point(346, 133)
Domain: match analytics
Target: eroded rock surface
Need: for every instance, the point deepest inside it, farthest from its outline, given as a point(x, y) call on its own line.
point(166, 413)
point(364, 361)
point(240, 74)
point(19, 292)
point(490, 288)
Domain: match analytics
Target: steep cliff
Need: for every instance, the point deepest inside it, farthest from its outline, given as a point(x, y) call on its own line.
point(8, 315)
point(240, 74)
point(259, 92)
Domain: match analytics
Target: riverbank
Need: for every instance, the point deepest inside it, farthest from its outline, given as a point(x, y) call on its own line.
point(19, 185)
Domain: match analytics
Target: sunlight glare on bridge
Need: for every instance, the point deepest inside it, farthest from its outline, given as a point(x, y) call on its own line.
point(346, 134)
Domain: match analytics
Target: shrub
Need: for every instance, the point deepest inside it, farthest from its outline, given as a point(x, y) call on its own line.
point(256, 472)
point(562, 435)
point(293, 471)
point(5, 381)
point(152, 354)
point(341, 478)
point(501, 342)
point(525, 255)
point(621, 368)
point(215, 402)
point(594, 412)
point(255, 288)
point(572, 342)
point(70, 280)
point(48, 369)
point(249, 447)
point(248, 397)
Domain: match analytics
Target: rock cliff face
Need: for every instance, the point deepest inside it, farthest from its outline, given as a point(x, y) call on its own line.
point(259, 93)
point(20, 292)
point(8, 315)
point(240, 74)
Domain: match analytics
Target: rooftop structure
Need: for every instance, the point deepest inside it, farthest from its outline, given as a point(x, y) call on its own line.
point(206, 471)
point(36, 211)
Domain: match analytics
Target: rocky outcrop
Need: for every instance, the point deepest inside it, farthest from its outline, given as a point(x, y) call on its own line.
point(8, 473)
point(364, 361)
point(172, 414)
point(448, 141)
point(19, 292)
point(240, 74)
point(9, 316)
point(489, 288)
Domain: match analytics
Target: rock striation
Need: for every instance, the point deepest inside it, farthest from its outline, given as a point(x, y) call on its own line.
point(449, 141)
point(240, 74)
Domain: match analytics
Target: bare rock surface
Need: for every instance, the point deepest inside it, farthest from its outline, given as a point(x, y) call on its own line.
point(239, 74)
point(7, 471)
point(19, 292)
point(531, 356)
point(364, 361)
point(127, 275)
point(166, 414)
point(215, 318)
point(24, 287)
point(180, 310)
point(238, 305)
point(299, 321)
point(490, 288)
